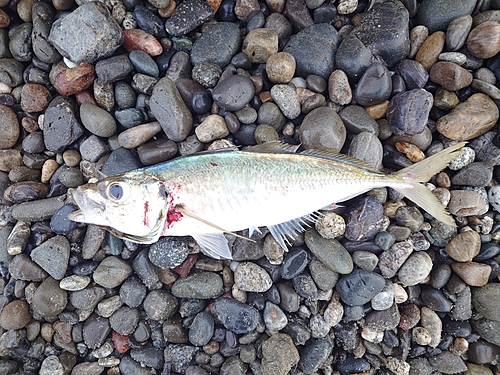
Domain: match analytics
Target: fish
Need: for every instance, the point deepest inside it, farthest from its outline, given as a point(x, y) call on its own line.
point(268, 185)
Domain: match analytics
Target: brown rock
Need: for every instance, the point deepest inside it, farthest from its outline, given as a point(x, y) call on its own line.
point(260, 44)
point(9, 127)
point(469, 119)
point(29, 124)
point(23, 268)
point(25, 191)
point(474, 274)
point(409, 317)
point(243, 8)
point(280, 67)
point(428, 53)
point(168, 10)
point(4, 19)
point(450, 76)
point(411, 151)
point(466, 203)
point(74, 80)
point(464, 246)
point(339, 89)
point(139, 40)
point(35, 97)
point(378, 111)
point(15, 315)
point(279, 355)
point(63, 4)
point(215, 4)
point(138, 135)
point(484, 40)
point(9, 159)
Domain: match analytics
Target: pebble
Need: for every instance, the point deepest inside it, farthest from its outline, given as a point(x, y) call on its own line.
point(359, 287)
point(203, 285)
point(287, 100)
point(212, 128)
point(465, 246)
point(314, 49)
point(149, 21)
point(188, 16)
point(478, 110)
point(140, 40)
point(249, 277)
point(329, 251)
point(9, 127)
point(235, 316)
point(259, 44)
point(279, 355)
point(430, 50)
point(339, 90)
point(102, 35)
point(374, 86)
point(217, 44)
point(413, 73)
point(61, 127)
point(408, 112)
point(474, 274)
point(160, 305)
point(457, 32)
point(280, 67)
point(467, 203)
point(416, 269)
point(484, 40)
point(322, 129)
point(48, 299)
point(97, 120)
point(15, 315)
point(234, 92)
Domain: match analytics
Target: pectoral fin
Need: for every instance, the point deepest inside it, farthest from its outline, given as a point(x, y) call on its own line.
point(284, 232)
point(214, 245)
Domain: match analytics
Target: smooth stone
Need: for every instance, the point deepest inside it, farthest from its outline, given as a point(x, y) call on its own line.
point(279, 354)
point(49, 300)
point(93, 148)
point(74, 80)
point(457, 32)
point(235, 316)
point(450, 76)
point(435, 299)
point(138, 135)
point(430, 50)
point(390, 43)
point(132, 292)
point(217, 44)
point(488, 330)
point(391, 260)
point(61, 126)
point(33, 143)
point(15, 315)
point(113, 68)
point(486, 88)
point(408, 112)
point(53, 256)
point(42, 18)
point(149, 21)
point(41, 209)
point(339, 90)
point(101, 35)
point(111, 272)
point(305, 287)
point(97, 120)
point(466, 203)
point(9, 127)
point(287, 100)
point(294, 263)
point(323, 129)
point(201, 329)
point(447, 363)
point(95, 331)
point(12, 71)
point(188, 16)
point(212, 128)
point(322, 275)
point(74, 282)
point(19, 43)
point(160, 305)
point(233, 93)
point(416, 269)
point(367, 147)
point(437, 15)
point(155, 152)
point(359, 287)
point(25, 191)
point(259, 44)
point(445, 99)
point(314, 50)
point(473, 273)
point(203, 285)
point(484, 40)
point(314, 355)
point(465, 246)
point(35, 97)
point(413, 73)
point(363, 219)
point(482, 352)
point(170, 111)
point(329, 251)
point(280, 67)
point(249, 277)
point(71, 177)
point(129, 117)
point(365, 260)
point(137, 39)
point(374, 86)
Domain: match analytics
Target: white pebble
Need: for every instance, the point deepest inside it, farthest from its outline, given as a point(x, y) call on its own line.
point(467, 156)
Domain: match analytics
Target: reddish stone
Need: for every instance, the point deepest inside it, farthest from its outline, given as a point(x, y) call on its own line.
point(184, 268)
point(35, 97)
point(64, 330)
point(75, 80)
point(136, 39)
point(85, 97)
point(4, 19)
point(410, 316)
point(29, 124)
point(122, 345)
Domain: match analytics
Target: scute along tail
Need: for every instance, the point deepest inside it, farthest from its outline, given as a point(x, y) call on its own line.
point(422, 171)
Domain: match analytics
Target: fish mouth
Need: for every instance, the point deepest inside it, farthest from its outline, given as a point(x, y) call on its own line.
point(89, 209)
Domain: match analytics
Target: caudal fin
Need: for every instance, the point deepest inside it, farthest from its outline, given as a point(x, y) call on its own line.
point(422, 172)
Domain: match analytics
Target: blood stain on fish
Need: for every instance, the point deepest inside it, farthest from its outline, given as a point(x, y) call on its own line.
point(146, 210)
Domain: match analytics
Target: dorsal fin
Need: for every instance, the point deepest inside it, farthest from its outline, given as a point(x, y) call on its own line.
point(274, 147)
point(340, 158)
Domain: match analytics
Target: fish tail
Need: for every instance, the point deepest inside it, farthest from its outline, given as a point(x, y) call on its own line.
point(422, 171)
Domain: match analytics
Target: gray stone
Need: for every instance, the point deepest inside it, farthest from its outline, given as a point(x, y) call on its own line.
point(437, 14)
point(53, 256)
point(217, 44)
point(91, 24)
point(188, 16)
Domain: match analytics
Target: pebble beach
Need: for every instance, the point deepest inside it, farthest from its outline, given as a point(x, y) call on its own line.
point(376, 286)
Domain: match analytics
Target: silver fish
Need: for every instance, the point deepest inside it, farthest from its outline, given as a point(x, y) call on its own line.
point(270, 185)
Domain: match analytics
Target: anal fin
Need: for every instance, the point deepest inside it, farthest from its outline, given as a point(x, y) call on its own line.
point(214, 245)
point(284, 232)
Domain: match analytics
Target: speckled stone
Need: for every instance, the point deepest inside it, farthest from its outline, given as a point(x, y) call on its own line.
point(323, 129)
point(111, 272)
point(465, 246)
point(259, 44)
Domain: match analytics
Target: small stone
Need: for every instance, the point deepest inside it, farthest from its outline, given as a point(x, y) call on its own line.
point(457, 32)
point(9, 127)
point(416, 269)
point(35, 97)
point(212, 128)
point(450, 76)
point(137, 39)
point(418, 35)
point(111, 272)
point(474, 274)
point(339, 90)
point(391, 260)
point(25, 191)
point(374, 86)
point(53, 256)
point(287, 100)
point(280, 67)
point(203, 285)
point(252, 278)
point(279, 355)
point(74, 282)
point(428, 53)
point(49, 300)
point(74, 80)
point(15, 315)
point(234, 92)
point(97, 121)
point(408, 112)
point(329, 251)
point(484, 40)
point(359, 287)
point(323, 129)
point(235, 316)
point(259, 44)
point(447, 363)
point(467, 203)
point(187, 16)
point(465, 246)
point(160, 305)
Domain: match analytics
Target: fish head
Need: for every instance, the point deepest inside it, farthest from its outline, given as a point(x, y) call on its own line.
point(130, 206)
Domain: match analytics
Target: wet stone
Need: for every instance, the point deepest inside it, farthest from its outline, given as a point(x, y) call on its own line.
point(408, 112)
point(329, 251)
point(233, 93)
point(357, 120)
point(450, 76)
point(114, 68)
point(374, 86)
point(359, 287)
point(124, 320)
point(111, 272)
point(314, 50)
point(413, 73)
point(465, 246)
point(203, 285)
point(364, 219)
point(235, 316)
point(15, 315)
point(294, 263)
point(484, 40)
point(457, 32)
point(149, 21)
point(250, 277)
point(314, 355)
point(49, 299)
point(447, 363)
point(429, 52)
point(201, 329)
point(367, 147)
point(33, 142)
point(416, 269)
point(53, 256)
point(25, 191)
point(92, 20)
point(259, 44)
point(435, 299)
point(305, 287)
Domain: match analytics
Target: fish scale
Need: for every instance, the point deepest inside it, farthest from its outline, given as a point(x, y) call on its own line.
point(269, 185)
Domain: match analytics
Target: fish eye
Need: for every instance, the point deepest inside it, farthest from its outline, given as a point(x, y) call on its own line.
point(118, 190)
